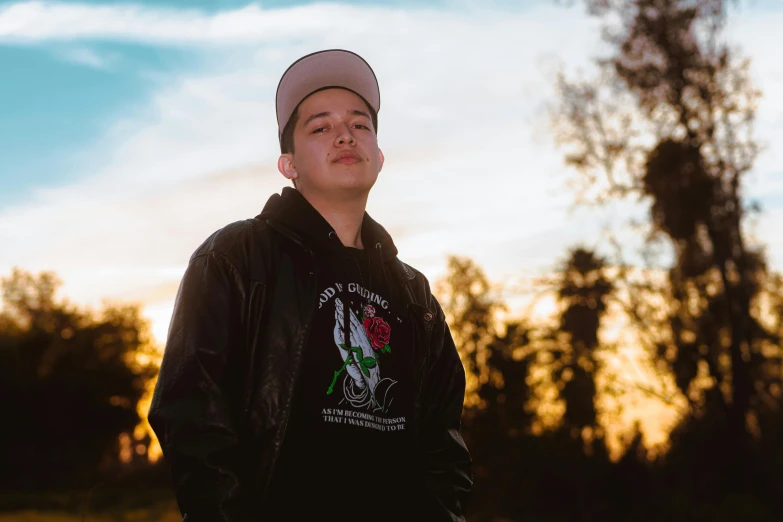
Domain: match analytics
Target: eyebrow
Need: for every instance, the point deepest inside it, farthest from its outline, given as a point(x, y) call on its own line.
point(354, 112)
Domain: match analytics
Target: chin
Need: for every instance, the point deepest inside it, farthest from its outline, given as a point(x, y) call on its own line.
point(361, 181)
point(354, 189)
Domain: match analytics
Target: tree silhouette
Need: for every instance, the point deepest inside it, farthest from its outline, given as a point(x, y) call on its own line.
point(497, 422)
point(695, 100)
point(577, 459)
point(583, 288)
point(470, 308)
point(670, 121)
point(69, 384)
point(499, 430)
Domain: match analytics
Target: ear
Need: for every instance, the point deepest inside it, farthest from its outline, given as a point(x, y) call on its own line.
point(285, 164)
point(380, 156)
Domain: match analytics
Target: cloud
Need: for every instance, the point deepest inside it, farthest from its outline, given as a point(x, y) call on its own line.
point(462, 173)
point(87, 57)
point(36, 21)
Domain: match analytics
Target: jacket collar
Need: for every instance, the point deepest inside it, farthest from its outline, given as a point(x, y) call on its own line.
point(291, 210)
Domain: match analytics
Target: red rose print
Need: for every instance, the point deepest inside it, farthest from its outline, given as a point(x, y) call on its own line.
point(369, 311)
point(378, 332)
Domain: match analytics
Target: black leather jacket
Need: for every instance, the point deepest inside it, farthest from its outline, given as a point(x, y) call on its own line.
point(240, 322)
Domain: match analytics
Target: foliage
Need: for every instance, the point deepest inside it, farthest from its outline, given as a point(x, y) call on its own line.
point(69, 383)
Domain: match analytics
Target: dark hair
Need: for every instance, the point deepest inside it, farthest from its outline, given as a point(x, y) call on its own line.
point(287, 138)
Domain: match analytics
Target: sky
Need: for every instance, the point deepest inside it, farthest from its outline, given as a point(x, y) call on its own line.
point(129, 132)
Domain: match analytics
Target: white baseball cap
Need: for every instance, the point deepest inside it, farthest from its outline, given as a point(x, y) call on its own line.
point(321, 70)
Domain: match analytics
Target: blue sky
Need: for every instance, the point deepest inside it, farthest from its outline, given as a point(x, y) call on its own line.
point(57, 99)
point(53, 109)
point(79, 83)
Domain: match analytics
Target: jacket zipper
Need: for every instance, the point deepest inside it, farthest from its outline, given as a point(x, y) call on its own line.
point(295, 379)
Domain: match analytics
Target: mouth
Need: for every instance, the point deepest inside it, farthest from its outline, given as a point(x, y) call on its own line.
point(347, 160)
point(347, 157)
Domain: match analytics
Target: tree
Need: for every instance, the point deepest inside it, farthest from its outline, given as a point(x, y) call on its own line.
point(499, 430)
point(497, 419)
point(69, 383)
point(691, 100)
point(471, 309)
point(583, 289)
point(670, 122)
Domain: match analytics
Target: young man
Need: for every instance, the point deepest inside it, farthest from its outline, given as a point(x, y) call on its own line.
point(308, 372)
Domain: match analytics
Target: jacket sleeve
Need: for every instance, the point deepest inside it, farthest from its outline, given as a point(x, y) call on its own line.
point(192, 413)
point(448, 476)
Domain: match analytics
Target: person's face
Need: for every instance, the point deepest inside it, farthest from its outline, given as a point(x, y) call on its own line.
point(333, 123)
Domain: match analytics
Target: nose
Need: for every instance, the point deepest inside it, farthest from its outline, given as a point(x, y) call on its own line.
point(345, 135)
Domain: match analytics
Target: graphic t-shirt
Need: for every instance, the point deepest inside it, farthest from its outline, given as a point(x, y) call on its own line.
point(348, 449)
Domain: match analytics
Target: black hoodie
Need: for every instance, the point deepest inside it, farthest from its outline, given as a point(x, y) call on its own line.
point(347, 442)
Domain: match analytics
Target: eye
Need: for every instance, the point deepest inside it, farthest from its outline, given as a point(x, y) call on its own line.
point(360, 125)
point(318, 130)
